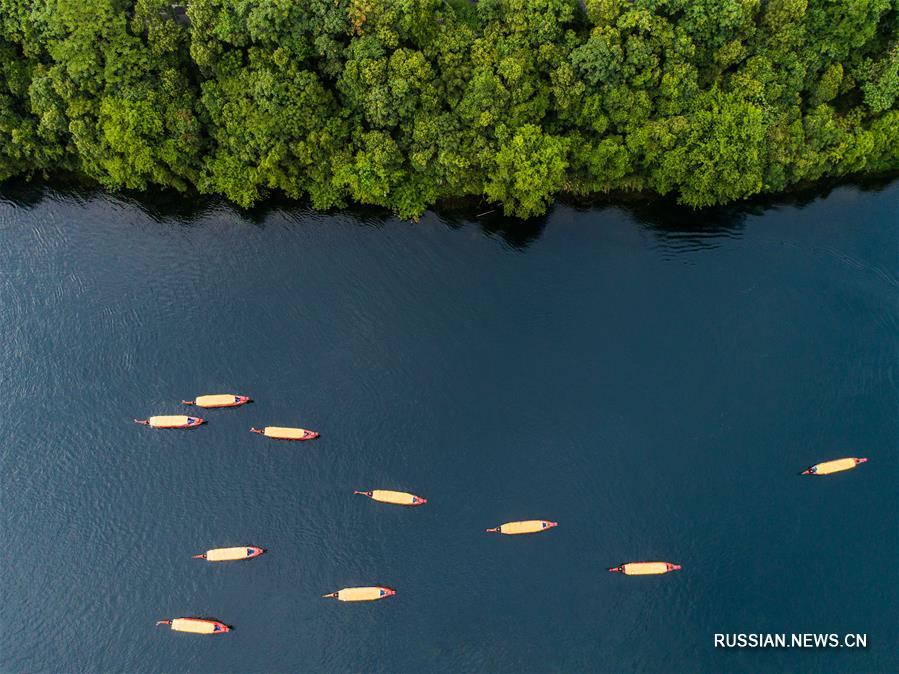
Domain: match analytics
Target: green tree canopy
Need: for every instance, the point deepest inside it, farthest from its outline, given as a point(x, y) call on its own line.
point(401, 103)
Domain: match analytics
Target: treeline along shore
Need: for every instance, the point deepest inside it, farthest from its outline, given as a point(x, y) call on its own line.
point(402, 103)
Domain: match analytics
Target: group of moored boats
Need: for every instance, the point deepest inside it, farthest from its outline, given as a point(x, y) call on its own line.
point(224, 400)
point(353, 594)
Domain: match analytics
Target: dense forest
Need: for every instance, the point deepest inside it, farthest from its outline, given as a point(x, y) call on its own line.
point(401, 103)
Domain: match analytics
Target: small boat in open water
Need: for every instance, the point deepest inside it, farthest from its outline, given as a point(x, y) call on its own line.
point(645, 568)
point(835, 466)
point(395, 497)
point(171, 421)
point(282, 433)
point(196, 625)
point(230, 554)
point(525, 527)
point(218, 400)
point(360, 594)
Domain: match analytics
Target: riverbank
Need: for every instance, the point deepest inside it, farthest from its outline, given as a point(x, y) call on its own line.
point(646, 204)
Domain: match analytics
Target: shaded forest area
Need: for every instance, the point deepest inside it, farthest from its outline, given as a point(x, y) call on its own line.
point(401, 103)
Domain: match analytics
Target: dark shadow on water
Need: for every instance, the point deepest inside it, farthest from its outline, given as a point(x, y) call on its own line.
point(24, 194)
point(515, 233)
point(679, 229)
point(159, 204)
point(676, 228)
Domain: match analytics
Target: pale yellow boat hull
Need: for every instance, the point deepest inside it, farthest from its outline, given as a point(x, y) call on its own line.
point(285, 433)
point(198, 626)
point(394, 497)
point(220, 400)
point(362, 593)
point(172, 421)
point(835, 466)
point(232, 554)
point(523, 527)
point(645, 568)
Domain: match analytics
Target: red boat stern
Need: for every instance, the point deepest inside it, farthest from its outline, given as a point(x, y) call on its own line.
point(193, 422)
point(387, 591)
point(220, 628)
point(310, 435)
point(858, 461)
point(253, 551)
point(550, 525)
point(673, 567)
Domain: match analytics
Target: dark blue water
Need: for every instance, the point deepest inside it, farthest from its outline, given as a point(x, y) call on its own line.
point(653, 379)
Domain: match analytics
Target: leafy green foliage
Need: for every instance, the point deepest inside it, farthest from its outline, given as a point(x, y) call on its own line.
point(530, 168)
point(400, 103)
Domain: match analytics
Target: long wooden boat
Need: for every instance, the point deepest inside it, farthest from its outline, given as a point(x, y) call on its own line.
point(525, 527)
point(395, 497)
point(361, 594)
point(835, 466)
point(283, 433)
point(171, 421)
point(218, 400)
point(230, 554)
point(645, 568)
point(195, 625)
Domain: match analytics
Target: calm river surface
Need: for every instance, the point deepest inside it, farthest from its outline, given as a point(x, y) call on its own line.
point(652, 379)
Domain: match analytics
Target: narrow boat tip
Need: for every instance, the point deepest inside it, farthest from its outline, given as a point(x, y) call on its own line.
point(615, 569)
point(203, 556)
point(861, 460)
